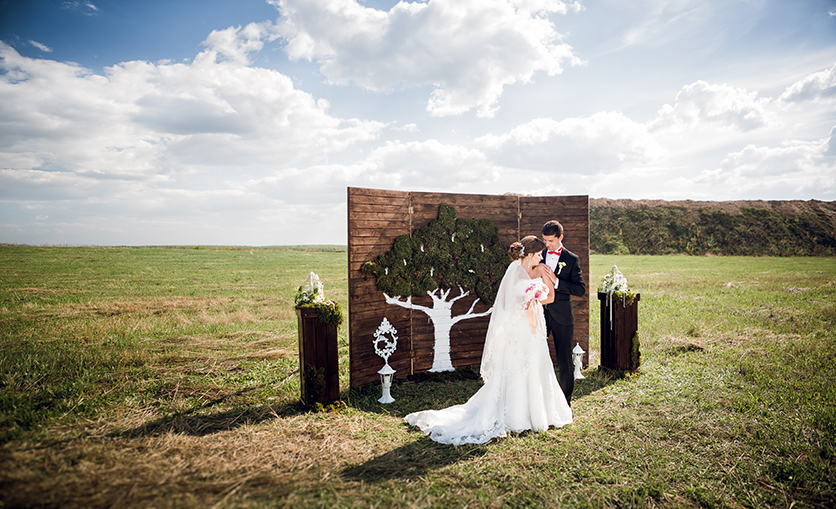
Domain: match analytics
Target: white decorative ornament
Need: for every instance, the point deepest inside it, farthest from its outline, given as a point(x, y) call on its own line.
point(614, 281)
point(388, 347)
point(577, 360)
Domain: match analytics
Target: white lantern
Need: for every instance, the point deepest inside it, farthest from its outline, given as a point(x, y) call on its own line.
point(386, 374)
point(388, 347)
point(577, 360)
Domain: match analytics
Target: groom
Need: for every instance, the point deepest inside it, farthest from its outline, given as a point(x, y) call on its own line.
point(560, 321)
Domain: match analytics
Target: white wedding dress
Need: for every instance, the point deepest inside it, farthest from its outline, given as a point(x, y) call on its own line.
point(520, 390)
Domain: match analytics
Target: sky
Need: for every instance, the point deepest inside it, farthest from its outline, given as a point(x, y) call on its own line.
point(211, 122)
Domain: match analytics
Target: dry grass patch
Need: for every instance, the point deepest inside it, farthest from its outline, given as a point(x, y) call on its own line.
point(268, 459)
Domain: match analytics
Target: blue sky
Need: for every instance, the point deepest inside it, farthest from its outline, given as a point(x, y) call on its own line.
point(243, 123)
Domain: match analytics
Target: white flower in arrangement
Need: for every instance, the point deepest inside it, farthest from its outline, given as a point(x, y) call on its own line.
point(614, 283)
point(560, 266)
point(311, 292)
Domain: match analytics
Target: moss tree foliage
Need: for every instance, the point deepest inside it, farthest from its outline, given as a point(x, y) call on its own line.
point(449, 253)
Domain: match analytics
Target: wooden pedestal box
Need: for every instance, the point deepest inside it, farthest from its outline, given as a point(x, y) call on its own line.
point(619, 336)
point(318, 361)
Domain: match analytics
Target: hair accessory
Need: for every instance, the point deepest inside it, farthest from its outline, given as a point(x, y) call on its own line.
point(522, 250)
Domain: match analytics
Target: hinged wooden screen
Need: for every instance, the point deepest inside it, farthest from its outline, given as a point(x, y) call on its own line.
point(377, 217)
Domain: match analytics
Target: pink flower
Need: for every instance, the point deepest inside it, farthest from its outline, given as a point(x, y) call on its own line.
point(536, 290)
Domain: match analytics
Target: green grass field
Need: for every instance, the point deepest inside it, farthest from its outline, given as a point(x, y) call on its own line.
point(168, 377)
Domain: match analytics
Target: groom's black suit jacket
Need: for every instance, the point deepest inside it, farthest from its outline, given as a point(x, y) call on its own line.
point(569, 282)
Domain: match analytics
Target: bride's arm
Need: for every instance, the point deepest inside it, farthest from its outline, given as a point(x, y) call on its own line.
point(542, 270)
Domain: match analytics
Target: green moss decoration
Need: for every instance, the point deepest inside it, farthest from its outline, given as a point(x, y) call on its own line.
point(626, 298)
point(314, 383)
point(329, 312)
point(635, 353)
point(447, 253)
point(331, 408)
point(326, 312)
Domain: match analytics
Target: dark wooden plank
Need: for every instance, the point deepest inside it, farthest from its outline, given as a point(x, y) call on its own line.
point(360, 193)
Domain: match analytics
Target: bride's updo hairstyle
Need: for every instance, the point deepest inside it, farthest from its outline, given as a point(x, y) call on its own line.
point(529, 244)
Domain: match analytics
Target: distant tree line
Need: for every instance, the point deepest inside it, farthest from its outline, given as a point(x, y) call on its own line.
point(658, 230)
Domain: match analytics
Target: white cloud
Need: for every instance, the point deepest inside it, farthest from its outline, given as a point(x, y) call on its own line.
point(42, 47)
point(666, 20)
point(601, 143)
point(236, 43)
point(86, 8)
point(468, 50)
point(816, 86)
point(145, 119)
point(408, 127)
point(798, 166)
point(425, 165)
point(145, 152)
point(721, 106)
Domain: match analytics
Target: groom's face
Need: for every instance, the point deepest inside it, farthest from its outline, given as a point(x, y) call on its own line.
point(553, 242)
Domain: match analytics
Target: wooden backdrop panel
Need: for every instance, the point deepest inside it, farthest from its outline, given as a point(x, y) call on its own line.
point(573, 213)
point(377, 217)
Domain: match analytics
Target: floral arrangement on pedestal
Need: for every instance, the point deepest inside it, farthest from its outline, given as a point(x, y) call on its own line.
point(614, 284)
point(312, 295)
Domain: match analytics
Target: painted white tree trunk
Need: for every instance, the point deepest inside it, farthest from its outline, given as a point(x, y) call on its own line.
point(441, 316)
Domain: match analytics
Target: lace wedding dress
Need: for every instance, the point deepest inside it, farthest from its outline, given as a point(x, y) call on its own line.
point(520, 390)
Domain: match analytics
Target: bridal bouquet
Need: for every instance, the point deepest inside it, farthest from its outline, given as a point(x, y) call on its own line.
point(536, 290)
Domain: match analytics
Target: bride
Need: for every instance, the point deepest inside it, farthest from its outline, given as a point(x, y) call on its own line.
point(520, 390)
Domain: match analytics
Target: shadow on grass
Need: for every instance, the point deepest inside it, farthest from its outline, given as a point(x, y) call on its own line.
point(428, 391)
point(411, 461)
point(421, 391)
point(197, 423)
point(597, 379)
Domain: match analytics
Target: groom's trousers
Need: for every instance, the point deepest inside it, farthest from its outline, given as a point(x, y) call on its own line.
point(563, 335)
